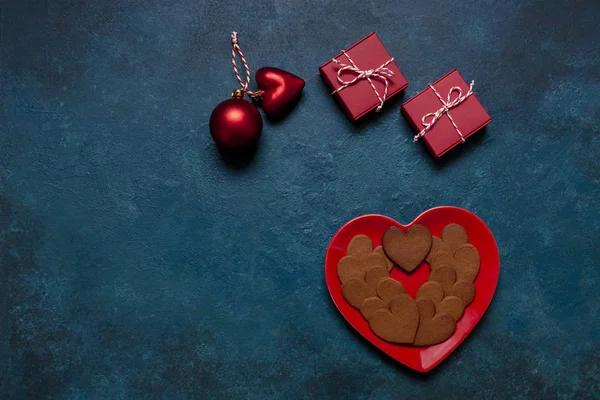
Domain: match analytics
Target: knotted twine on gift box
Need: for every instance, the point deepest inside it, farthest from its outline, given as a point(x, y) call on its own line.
point(381, 72)
point(445, 109)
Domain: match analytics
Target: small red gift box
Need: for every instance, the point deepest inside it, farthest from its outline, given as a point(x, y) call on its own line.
point(446, 113)
point(363, 77)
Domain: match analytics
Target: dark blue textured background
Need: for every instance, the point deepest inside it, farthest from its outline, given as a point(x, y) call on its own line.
point(135, 264)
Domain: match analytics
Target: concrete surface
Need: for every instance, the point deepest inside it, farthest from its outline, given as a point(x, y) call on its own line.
point(135, 263)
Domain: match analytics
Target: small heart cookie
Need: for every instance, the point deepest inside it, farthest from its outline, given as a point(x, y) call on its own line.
point(438, 246)
point(372, 304)
point(374, 260)
point(359, 244)
point(464, 291)
point(432, 291)
point(407, 249)
point(441, 259)
point(466, 263)
point(446, 277)
point(399, 324)
point(355, 290)
point(360, 247)
point(349, 268)
point(452, 306)
point(360, 259)
point(452, 237)
point(433, 328)
point(387, 290)
point(374, 275)
point(390, 263)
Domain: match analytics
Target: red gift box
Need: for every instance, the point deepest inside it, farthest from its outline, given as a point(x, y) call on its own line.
point(446, 118)
point(363, 77)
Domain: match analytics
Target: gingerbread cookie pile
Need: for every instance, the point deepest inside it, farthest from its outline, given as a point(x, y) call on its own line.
point(430, 318)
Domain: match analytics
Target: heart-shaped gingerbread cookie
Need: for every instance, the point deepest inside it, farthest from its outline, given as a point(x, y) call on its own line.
point(456, 294)
point(387, 290)
point(445, 300)
point(398, 324)
point(465, 261)
point(434, 327)
point(446, 278)
point(407, 249)
point(356, 290)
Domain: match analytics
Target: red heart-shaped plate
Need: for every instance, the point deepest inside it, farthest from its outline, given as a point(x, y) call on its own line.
point(421, 359)
point(280, 90)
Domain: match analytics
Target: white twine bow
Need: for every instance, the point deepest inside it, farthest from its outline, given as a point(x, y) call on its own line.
point(446, 107)
point(382, 73)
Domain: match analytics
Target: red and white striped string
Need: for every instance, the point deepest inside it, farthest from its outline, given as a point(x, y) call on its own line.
point(447, 105)
point(235, 49)
point(381, 72)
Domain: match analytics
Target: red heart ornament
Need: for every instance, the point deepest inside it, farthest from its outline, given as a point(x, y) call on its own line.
point(421, 359)
point(281, 89)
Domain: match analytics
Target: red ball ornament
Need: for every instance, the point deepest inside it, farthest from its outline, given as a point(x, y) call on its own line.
point(235, 124)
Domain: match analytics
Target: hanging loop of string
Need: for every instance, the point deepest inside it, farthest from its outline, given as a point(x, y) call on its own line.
point(235, 49)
